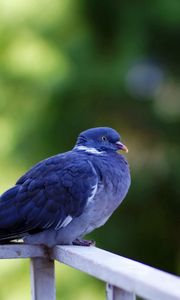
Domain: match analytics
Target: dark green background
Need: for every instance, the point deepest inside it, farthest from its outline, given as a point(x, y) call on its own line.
point(69, 65)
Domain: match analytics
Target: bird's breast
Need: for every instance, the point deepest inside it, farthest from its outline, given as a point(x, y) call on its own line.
point(114, 181)
point(114, 176)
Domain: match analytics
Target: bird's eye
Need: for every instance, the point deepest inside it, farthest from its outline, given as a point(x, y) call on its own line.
point(104, 138)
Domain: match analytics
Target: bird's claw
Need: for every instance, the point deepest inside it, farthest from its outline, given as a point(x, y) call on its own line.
point(85, 243)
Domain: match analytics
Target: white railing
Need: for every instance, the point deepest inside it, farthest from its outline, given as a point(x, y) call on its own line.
point(125, 278)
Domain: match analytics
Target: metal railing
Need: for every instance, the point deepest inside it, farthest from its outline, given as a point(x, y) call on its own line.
point(124, 277)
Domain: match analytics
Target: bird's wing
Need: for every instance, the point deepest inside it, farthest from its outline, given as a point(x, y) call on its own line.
point(50, 195)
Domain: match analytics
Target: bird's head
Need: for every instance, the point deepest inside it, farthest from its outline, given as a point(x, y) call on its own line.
point(100, 139)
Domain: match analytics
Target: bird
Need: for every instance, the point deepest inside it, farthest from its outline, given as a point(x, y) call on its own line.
point(66, 196)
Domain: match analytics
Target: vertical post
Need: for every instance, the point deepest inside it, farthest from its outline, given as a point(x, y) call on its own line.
point(42, 279)
point(114, 293)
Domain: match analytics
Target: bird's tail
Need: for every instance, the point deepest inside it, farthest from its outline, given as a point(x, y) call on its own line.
point(8, 213)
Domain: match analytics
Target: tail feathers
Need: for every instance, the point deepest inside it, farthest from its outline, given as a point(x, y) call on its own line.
point(13, 223)
point(8, 213)
point(5, 238)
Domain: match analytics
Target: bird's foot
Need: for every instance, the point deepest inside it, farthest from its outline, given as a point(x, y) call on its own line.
point(85, 243)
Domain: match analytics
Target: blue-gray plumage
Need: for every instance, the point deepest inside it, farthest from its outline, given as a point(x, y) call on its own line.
point(66, 196)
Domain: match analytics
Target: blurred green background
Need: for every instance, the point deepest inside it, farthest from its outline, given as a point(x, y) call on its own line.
point(69, 65)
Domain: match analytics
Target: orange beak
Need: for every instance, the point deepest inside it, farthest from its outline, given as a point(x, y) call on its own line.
point(122, 147)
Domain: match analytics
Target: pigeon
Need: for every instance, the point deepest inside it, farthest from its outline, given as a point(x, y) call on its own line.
point(66, 196)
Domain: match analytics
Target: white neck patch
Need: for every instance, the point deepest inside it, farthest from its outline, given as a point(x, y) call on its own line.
point(89, 150)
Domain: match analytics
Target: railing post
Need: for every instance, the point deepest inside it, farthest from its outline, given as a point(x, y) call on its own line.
point(42, 279)
point(115, 293)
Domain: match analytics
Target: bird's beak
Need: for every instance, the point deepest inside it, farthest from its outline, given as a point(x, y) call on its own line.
point(122, 147)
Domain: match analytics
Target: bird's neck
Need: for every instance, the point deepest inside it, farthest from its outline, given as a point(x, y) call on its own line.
point(90, 150)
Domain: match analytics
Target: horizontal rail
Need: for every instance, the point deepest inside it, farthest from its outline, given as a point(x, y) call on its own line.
point(22, 251)
point(126, 274)
point(121, 272)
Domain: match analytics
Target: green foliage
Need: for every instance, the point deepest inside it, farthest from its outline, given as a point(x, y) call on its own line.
point(69, 65)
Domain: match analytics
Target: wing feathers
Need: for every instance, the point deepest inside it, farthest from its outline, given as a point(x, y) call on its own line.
point(50, 195)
